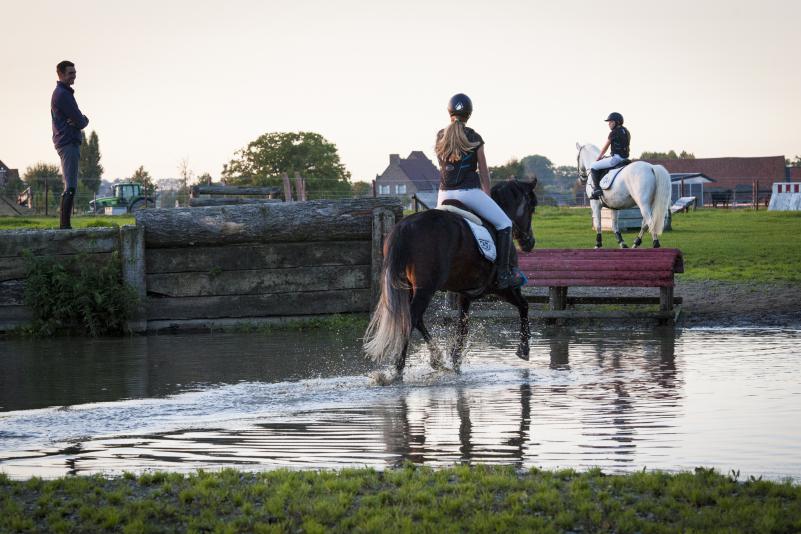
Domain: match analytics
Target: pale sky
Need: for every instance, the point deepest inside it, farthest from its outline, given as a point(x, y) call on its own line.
point(197, 80)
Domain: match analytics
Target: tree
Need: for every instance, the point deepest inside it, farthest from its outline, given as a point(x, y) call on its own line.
point(511, 170)
point(142, 177)
point(793, 162)
point(263, 162)
point(90, 171)
point(539, 166)
point(37, 174)
point(361, 189)
point(204, 178)
point(667, 155)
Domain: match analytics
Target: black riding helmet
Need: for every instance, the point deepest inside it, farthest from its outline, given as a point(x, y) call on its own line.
point(615, 116)
point(460, 106)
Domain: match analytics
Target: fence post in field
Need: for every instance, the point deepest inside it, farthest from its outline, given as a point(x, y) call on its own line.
point(132, 256)
point(383, 221)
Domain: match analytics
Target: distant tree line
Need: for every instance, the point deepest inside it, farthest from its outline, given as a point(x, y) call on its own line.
point(667, 155)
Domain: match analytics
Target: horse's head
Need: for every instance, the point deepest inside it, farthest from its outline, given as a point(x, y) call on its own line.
point(587, 154)
point(518, 201)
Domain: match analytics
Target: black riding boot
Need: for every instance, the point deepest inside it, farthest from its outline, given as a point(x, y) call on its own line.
point(506, 276)
point(67, 198)
point(597, 192)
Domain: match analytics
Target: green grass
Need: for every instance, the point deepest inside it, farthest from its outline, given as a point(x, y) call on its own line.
point(718, 244)
point(78, 221)
point(408, 499)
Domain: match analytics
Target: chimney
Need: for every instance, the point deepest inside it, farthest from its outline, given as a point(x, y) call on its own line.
point(394, 159)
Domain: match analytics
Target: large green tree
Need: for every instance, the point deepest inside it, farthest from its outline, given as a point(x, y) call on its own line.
point(142, 177)
point(539, 166)
point(263, 161)
point(36, 175)
point(90, 171)
point(510, 170)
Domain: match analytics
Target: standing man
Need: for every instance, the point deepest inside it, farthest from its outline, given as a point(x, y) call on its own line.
point(68, 121)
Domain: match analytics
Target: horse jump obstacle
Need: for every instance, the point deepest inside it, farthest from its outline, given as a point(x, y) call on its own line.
point(560, 269)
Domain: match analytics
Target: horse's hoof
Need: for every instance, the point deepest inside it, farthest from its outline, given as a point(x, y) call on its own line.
point(656, 244)
point(385, 377)
point(522, 352)
point(436, 361)
point(623, 245)
point(598, 246)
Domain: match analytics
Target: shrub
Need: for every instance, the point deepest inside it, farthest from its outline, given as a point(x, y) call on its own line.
point(77, 296)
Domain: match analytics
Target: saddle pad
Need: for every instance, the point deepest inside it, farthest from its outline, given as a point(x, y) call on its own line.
point(606, 181)
point(483, 239)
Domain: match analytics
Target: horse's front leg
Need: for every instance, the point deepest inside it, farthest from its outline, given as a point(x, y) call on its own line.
point(515, 297)
point(596, 217)
point(616, 229)
point(461, 333)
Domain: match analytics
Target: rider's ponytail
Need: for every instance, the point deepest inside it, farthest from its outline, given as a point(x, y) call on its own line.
point(453, 144)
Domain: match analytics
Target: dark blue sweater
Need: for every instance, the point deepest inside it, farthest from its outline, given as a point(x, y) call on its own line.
point(68, 121)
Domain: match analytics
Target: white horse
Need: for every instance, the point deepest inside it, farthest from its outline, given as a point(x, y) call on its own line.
point(638, 184)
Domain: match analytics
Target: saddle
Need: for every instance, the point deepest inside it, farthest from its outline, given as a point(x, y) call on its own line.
point(604, 172)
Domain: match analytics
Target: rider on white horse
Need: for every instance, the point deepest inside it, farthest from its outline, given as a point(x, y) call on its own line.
point(619, 139)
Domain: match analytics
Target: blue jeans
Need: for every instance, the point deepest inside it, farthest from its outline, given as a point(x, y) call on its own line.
point(70, 155)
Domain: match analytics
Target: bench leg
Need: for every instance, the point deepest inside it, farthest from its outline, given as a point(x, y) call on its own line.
point(666, 303)
point(557, 301)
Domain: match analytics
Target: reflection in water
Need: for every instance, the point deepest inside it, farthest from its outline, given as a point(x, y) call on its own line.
point(621, 401)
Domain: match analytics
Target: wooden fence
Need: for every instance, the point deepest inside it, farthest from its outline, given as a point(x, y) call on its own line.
point(199, 268)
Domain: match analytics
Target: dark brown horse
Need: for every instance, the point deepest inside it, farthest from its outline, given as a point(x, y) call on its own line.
point(435, 250)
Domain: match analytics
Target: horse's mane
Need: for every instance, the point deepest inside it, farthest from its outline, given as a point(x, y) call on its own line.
point(508, 189)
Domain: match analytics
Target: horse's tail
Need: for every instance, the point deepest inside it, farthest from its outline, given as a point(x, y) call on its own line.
point(661, 203)
point(390, 326)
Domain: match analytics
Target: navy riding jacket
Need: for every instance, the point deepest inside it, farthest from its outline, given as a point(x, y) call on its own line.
point(68, 121)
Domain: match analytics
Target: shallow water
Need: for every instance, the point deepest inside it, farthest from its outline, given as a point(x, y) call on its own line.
point(622, 400)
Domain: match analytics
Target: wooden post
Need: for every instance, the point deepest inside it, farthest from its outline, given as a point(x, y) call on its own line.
point(300, 187)
point(45, 195)
point(132, 254)
point(383, 221)
point(287, 188)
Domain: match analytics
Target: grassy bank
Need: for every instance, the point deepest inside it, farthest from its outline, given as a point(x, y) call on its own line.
point(460, 499)
point(718, 244)
point(77, 221)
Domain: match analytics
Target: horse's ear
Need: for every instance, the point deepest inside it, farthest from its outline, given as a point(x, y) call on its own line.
point(578, 146)
point(533, 183)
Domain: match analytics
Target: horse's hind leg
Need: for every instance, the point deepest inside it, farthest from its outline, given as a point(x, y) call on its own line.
point(420, 301)
point(638, 239)
point(461, 333)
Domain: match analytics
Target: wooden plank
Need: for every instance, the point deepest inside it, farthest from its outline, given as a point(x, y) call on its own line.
point(228, 201)
point(16, 268)
point(599, 275)
point(47, 242)
point(589, 314)
point(383, 221)
point(259, 281)
point(346, 220)
point(588, 299)
point(609, 282)
point(589, 266)
point(12, 292)
point(257, 256)
point(233, 190)
point(238, 306)
point(15, 312)
point(657, 256)
point(132, 255)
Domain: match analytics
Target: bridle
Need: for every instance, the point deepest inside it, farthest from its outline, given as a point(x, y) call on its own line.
point(528, 235)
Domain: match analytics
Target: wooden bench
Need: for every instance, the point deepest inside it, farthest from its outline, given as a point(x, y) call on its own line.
point(560, 269)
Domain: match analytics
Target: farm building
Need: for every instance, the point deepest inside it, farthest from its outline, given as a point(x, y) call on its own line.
point(733, 177)
point(404, 177)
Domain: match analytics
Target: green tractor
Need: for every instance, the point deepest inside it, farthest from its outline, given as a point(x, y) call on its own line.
point(127, 198)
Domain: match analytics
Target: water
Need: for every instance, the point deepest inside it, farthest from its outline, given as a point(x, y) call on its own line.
point(621, 400)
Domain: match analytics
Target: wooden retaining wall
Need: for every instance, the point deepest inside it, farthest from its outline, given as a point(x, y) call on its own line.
point(205, 267)
point(96, 243)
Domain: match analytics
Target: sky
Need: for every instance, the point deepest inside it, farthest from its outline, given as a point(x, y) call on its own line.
point(172, 80)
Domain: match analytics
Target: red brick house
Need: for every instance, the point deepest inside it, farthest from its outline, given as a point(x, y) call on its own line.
point(735, 175)
point(406, 176)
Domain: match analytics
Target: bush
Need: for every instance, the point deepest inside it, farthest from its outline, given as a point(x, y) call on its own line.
point(77, 296)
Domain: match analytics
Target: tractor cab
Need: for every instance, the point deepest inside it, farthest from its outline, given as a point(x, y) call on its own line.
point(126, 192)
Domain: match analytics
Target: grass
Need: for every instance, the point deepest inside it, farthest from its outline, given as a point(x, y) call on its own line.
point(334, 323)
point(77, 221)
point(408, 499)
point(718, 244)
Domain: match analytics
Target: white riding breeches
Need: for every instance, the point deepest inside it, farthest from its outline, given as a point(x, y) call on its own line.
point(478, 201)
point(606, 163)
